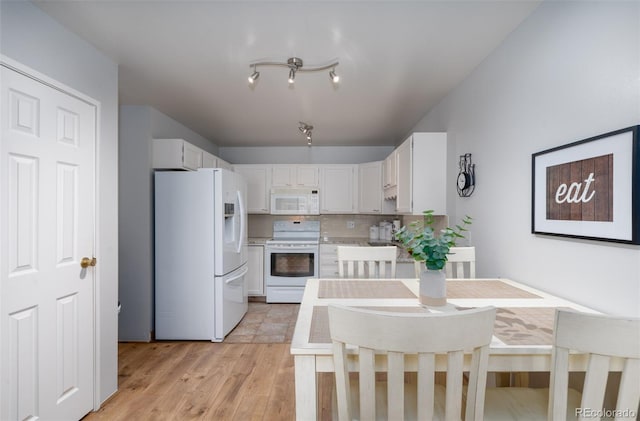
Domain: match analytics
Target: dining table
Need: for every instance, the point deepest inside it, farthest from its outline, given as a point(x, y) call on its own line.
point(523, 329)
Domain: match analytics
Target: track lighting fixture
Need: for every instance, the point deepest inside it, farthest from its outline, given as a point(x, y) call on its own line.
point(306, 130)
point(295, 65)
point(254, 76)
point(333, 76)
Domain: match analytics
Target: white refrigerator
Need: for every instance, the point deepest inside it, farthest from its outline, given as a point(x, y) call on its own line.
point(200, 253)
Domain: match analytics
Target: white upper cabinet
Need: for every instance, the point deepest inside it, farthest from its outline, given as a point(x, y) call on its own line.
point(176, 154)
point(404, 159)
point(421, 168)
point(338, 187)
point(295, 176)
point(209, 160)
point(221, 163)
point(370, 197)
point(389, 176)
point(258, 178)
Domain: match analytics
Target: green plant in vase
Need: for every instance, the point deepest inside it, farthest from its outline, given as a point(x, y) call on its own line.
point(431, 248)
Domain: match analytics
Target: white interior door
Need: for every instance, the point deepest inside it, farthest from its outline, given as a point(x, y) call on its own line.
point(47, 216)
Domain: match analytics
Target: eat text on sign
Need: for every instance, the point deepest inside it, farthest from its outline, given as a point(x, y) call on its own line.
point(581, 190)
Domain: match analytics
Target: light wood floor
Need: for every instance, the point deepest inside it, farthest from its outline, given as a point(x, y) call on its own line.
point(206, 381)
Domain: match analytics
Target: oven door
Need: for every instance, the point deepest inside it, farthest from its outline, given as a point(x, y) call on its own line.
point(290, 266)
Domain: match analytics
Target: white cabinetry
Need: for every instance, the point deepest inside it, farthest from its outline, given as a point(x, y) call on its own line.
point(221, 163)
point(295, 176)
point(389, 175)
point(370, 199)
point(209, 160)
point(328, 266)
point(255, 275)
point(176, 154)
point(258, 179)
point(421, 174)
point(338, 185)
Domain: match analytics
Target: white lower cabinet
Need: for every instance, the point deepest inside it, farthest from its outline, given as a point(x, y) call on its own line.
point(328, 267)
point(255, 275)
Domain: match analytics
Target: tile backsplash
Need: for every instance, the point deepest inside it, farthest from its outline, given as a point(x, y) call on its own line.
point(335, 225)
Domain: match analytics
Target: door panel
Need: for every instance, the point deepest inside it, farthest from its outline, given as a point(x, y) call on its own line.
point(47, 185)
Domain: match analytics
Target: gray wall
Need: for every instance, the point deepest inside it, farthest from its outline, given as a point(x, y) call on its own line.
point(305, 154)
point(138, 126)
point(34, 39)
point(569, 72)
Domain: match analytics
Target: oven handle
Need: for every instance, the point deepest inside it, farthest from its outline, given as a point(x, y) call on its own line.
point(276, 249)
point(240, 275)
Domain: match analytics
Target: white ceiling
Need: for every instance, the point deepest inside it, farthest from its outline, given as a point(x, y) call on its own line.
point(190, 60)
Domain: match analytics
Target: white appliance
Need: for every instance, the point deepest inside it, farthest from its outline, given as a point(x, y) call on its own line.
point(200, 253)
point(295, 201)
point(291, 257)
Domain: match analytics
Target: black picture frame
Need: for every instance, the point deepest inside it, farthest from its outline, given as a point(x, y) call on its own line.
point(589, 189)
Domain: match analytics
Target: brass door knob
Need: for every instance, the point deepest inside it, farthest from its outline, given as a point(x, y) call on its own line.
point(86, 262)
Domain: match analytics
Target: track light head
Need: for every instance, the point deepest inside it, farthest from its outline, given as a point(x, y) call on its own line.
point(306, 130)
point(333, 76)
point(254, 76)
point(292, 76)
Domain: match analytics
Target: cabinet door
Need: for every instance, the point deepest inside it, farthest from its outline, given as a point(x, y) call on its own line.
point(429, 173)
point(389, 170)
point(258, 178)
point(307, 176)
point(282, 176)
point(337, 189)
point(404, 178)
point(255, 275)
point(221, 163)
point(176, 154)
point(208, 160)
point(191, 156)
point(328, 267)
point(370, 187)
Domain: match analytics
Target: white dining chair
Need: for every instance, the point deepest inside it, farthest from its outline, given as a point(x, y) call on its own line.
point(461, 263)
point(602, 339)
point(367, 262)
point(414, 335)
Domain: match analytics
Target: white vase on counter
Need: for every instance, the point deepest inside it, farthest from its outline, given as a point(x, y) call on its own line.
point(433, 287)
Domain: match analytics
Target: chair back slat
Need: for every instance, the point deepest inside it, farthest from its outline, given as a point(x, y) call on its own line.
point(367, 379)
point(459, 258)
point(395, 385)
point(395, 335)
point(602, 338)
point(595, 381)
point(629, 390)
point(426, 385)
point(367, 262)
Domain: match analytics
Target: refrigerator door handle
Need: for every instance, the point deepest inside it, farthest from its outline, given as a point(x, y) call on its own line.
point(242, 221)
point(240, 275)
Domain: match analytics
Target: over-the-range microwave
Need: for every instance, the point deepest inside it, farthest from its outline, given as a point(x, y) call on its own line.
point(295, 201)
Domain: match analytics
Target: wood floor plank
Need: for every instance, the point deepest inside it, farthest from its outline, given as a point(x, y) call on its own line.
point(202, 381)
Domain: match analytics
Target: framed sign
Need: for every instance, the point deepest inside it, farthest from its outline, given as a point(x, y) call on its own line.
point(589, 189)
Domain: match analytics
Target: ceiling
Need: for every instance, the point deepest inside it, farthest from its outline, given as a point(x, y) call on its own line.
point(190, 60)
